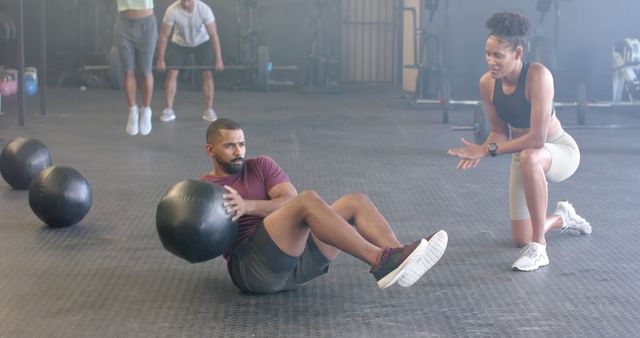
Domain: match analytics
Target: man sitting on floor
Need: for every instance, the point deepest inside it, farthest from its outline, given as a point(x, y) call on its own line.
point(285, 239)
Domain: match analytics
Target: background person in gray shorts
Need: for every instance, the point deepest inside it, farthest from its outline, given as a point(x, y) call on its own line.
point(135, 34)
point(285, 240)
point(194, 33)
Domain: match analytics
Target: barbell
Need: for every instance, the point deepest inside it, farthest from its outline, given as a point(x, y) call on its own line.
point(448, 104)
point(581, 104)
point(262, 69)
point(481, 126)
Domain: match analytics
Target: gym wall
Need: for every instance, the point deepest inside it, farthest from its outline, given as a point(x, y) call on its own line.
point(588, 30)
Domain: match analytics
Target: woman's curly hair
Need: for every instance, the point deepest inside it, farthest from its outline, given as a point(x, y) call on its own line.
point(511, 27)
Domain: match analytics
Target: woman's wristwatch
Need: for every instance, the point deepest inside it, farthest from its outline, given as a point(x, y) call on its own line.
point(492, 148)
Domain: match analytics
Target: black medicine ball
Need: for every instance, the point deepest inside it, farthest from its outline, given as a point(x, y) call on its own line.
point(192, 223)
point(60, 196)
point(21, 160)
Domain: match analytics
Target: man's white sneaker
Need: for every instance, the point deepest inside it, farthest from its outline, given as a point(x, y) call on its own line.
point(145, 121)
point(573, 223)
point(167, 115)
point(209, 115)
point(436, 245)
point(132, 121)
point(533, 256)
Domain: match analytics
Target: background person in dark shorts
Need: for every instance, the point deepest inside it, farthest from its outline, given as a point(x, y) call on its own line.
point(194, 33)
point(285, 240)
point(135, 34)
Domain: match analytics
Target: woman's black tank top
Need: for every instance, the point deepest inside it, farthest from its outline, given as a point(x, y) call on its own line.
point(514, 108)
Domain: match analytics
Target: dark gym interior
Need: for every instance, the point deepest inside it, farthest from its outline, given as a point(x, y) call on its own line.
point(360, 98)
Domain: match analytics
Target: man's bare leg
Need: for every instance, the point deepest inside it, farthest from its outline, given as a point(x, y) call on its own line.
point(359, 210)
point(170, 85)
point(207, 89)
point(290, 226)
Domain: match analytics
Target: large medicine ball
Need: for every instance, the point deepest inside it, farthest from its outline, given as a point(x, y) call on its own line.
point(21, 160)
point(192, 222)
point(60, 196)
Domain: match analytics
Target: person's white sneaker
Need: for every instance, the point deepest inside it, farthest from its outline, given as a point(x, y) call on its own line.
point(533, 256)
point(167, 115)
point(573, 223)
point(132, 122)
point(209, 115)
point(393, 263)
point(145, 121)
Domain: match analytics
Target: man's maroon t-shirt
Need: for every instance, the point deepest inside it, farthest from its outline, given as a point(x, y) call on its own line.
point(255, 180)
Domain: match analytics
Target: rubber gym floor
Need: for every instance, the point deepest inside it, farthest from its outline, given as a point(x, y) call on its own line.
point(109, 275)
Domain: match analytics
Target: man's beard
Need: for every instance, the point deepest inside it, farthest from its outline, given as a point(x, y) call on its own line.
point(230, 167)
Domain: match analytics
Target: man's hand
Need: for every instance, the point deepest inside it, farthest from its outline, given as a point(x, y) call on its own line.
point(219, 66)
point(234, 203)
point(470, 154)
point(160, 65)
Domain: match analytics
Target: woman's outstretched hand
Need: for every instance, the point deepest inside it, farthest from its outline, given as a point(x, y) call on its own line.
point(470, 154)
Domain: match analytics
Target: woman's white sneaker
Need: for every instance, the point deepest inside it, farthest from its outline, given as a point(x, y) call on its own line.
point(573, 223)
point(132, 121)
point(533, 256)
point(145, 121)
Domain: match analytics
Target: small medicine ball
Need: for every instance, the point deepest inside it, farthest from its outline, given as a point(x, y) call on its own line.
point(21, 160)
point(192, 222)
point(60, 196)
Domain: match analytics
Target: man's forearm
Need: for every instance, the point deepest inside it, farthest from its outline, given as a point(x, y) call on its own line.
point(264, 208)
point(215, 44)
point(162, 45)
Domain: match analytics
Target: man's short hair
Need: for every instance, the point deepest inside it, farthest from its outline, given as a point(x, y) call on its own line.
point(214, 128)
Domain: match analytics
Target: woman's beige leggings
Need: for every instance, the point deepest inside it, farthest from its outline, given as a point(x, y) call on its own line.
point(565, 158)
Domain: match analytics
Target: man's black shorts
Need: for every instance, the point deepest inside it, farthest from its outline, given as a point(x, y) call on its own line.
point(178, 56)
point(258, 265)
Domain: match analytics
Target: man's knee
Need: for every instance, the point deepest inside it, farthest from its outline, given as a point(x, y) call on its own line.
point(206, 75)
point(172, 75)
point(308, 201)
point(309, 196)
point(355, 199)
